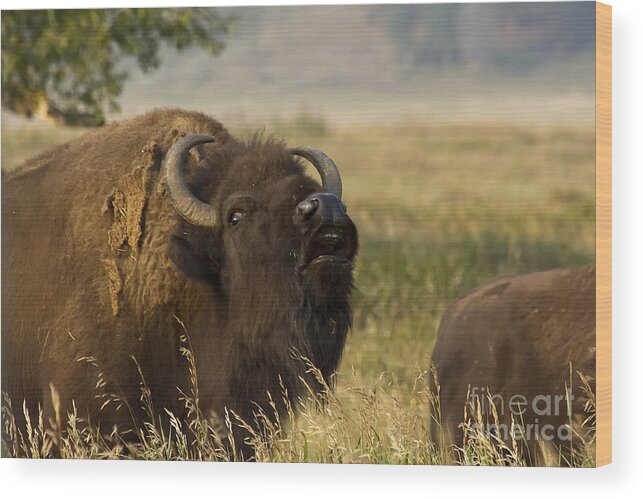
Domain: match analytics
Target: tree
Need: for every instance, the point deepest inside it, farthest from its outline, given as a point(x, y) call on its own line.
point(66, 65)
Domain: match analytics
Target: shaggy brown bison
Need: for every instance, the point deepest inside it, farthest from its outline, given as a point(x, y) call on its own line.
point(117, 243)
point(510, 344)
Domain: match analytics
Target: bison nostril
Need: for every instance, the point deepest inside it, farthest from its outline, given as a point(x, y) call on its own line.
point(307, 208)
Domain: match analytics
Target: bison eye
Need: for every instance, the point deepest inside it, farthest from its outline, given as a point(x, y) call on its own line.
point(235, 217)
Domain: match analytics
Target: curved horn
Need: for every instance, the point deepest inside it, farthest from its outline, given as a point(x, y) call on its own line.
point(192, 210)
point(330, 177)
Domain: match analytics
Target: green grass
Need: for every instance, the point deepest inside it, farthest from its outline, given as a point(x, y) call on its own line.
point(440, 209)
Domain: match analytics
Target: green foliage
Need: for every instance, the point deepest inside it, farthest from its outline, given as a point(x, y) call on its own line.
point(66, 64)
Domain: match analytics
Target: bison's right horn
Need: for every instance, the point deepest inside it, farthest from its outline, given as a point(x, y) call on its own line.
point(192, 210)
point(330, 177)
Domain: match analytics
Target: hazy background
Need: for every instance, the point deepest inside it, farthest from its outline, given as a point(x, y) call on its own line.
point(357, 64)
point(525, 63)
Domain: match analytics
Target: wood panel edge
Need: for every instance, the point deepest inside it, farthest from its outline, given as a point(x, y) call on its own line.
point(603, 234)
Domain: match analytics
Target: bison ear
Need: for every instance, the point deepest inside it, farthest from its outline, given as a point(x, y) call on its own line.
point(194, 260)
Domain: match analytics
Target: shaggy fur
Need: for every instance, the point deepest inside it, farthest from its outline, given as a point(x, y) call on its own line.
point(96, 263)
point(516, 336)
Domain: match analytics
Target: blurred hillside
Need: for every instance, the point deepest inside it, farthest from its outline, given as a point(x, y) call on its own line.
point(530, 62)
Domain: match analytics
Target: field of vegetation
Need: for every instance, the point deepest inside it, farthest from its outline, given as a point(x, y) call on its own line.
point(440, 209)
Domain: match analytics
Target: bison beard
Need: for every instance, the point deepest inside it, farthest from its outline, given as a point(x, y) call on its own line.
point(107, 256)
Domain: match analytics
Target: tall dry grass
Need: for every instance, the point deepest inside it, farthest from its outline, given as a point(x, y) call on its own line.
point(357, 424)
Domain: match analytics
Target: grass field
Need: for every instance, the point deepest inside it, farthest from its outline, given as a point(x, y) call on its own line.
point(440, 209)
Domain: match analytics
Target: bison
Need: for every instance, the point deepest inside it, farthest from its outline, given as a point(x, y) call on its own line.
point(118, 243)
point(518, 343)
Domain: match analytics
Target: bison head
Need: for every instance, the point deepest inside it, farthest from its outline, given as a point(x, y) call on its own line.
point(276, 247)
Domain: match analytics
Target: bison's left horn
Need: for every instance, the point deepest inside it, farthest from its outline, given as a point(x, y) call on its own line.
point(192, 210)
point(330, 177)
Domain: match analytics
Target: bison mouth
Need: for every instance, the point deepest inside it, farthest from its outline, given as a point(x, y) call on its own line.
point(334, 245)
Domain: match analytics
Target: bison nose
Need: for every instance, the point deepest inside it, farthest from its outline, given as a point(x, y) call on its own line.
point(307, 208)
point(319, 210)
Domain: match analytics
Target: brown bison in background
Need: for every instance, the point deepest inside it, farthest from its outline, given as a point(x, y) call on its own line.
point(511, 342)
point(118, 243)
